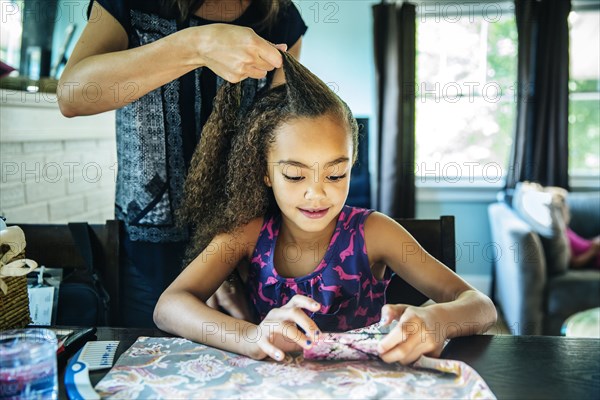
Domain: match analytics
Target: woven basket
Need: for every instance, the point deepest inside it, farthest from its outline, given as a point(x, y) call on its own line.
point(14, 305)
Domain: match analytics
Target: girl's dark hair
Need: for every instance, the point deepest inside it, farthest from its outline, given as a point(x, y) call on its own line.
point(182, 9)
point(225, 186)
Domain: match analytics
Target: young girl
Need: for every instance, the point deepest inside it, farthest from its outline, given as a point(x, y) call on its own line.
point(268, 185)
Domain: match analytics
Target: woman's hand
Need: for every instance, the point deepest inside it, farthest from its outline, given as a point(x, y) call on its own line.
point(278, 332)
point(234, 52)
point(416, 333)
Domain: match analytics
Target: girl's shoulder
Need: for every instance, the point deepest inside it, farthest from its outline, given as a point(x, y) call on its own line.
point(377, 219)
point(381, 228)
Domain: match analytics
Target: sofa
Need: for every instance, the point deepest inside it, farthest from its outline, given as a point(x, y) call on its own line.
point(534, 297)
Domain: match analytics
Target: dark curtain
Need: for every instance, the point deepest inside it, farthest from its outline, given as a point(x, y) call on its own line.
point(39, 17)
point(540, 148)
point(394, 32)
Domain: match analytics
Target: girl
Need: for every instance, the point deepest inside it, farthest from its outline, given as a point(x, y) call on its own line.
point(268, 185)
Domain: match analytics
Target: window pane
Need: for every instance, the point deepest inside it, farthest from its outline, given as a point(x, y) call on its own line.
point(465, 108)
point(584, 137)
point(10, 32)
point(584, 87)
point(464, 138)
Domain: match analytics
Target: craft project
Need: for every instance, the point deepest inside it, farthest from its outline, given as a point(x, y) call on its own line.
point(344, 346)
point(179, 368)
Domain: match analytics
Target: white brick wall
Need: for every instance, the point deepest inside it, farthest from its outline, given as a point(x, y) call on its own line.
point(61, 169)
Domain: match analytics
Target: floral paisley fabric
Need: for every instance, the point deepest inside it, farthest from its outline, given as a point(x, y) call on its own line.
point(351, 297)
point(174, 368)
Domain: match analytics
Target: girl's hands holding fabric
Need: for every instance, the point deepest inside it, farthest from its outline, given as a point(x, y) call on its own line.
point(278, 332)
point(416, 333)
point(235, 52)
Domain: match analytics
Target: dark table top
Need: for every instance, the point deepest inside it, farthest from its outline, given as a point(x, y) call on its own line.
point(514, 367)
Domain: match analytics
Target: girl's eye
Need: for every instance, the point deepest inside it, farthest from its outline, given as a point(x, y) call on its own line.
point(336, 178)
point(293, 178)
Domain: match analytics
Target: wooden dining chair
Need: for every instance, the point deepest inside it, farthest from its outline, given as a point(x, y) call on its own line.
point(53, 246)
point(437, 237)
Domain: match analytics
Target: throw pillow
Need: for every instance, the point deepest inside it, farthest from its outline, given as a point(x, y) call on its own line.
point(544, 209)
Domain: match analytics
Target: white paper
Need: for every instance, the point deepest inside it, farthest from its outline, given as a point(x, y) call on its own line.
point(41, 300)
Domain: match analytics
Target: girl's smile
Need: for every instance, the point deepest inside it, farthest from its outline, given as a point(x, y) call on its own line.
point(314, 213)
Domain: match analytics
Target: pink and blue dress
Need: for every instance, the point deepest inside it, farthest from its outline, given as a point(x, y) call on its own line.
point(351, 297)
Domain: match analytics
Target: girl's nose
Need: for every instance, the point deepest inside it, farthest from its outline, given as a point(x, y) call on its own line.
point(315, 191)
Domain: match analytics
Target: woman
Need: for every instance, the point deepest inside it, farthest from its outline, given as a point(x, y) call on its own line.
point(159, 64)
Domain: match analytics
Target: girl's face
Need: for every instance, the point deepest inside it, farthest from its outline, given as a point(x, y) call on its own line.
point(309, 170)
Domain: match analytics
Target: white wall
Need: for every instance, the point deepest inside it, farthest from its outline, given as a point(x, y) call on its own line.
point(338, 47)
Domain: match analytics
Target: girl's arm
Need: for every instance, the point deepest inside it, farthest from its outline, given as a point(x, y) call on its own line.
point(459, 310)
point(182, 309)
point(102, 74)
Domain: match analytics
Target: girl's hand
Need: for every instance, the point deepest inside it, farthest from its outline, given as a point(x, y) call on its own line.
point(417, 333)
point(236, 53)
point(279, 333)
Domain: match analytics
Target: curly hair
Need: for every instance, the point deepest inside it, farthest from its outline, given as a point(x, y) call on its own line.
point(225, 186)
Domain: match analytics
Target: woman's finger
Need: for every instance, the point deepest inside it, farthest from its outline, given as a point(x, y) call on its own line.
point(271, 55)
point(282, 46)
point(256, 73)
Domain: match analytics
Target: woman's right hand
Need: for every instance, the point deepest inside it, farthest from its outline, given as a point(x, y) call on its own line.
point(278, 332)
point(235, 52)
point(116, 75)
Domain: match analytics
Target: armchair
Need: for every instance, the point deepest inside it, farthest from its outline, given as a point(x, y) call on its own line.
point(533, 299)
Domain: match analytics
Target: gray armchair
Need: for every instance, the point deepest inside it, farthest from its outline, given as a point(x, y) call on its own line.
point(534, 301)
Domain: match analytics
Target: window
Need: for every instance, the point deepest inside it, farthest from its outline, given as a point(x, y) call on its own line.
point(584, 93)
point(10, 32)
point(465, 94)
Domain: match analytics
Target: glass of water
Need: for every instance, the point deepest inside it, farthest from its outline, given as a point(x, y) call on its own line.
point(28, 364)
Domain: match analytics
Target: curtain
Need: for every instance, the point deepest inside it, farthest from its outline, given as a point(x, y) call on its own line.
point(540, 149)
point(394, 33)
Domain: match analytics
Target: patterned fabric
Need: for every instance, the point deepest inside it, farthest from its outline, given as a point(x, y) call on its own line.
point(351, 297)
point(157, 133)
point(173, 368)
point(344, 346)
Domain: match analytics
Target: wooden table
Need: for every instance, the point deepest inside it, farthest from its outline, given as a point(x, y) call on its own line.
point(514, 367)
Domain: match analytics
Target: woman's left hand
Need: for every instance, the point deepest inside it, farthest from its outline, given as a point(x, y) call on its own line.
point(416, 333)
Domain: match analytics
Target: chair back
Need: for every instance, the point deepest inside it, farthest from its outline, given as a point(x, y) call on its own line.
point(437, 237)
point(53, 246)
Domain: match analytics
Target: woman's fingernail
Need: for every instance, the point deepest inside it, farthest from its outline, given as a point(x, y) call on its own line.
point(278, 356)
point(308, 342)
point(384, 319)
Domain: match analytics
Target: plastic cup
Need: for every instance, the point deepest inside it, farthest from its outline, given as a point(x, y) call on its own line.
point(28, 364)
